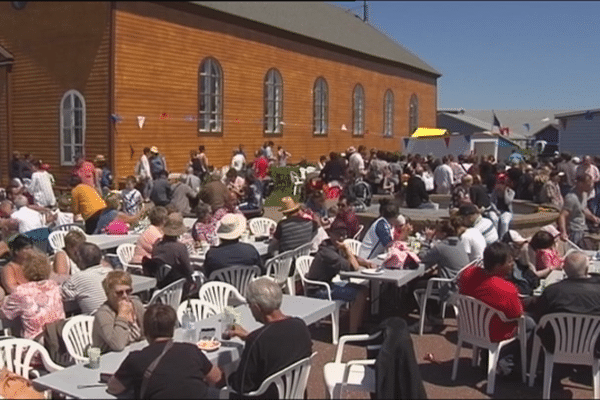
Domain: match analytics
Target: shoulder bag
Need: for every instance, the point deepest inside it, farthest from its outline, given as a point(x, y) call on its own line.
point(151, 368)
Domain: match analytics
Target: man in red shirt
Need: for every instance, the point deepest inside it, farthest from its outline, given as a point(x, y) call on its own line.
point(261, 166)
point(489, 285)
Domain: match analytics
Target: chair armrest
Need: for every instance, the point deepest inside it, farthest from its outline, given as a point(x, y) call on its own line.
point(352, 338)
point(319, 283)
point(351, 363)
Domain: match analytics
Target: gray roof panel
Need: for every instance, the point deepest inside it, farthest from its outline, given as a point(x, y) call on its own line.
point(323, 22)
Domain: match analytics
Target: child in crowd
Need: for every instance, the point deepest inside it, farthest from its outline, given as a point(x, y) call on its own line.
point(546, 254)
point(132, 198)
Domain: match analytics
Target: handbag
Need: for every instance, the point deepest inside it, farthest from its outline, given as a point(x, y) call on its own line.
point(151, 368)
point(15, 386)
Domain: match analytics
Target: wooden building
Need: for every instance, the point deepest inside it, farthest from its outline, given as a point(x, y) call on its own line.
point(80, 76)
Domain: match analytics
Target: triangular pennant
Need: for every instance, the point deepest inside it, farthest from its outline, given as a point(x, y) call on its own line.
point(344, 127)
point(131, 151)
point(447, 140)
point(189, 118)
point(406, 142)
point(116, 118)
point(141, 119)
point(164, 116)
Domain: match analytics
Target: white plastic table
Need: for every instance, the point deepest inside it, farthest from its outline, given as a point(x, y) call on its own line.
point(66, 380)
point(106, 242)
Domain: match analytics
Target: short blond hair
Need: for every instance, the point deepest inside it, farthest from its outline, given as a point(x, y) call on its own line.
point(36, 266)
point(114, 278)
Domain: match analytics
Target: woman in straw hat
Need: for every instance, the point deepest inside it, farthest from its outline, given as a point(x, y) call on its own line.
point(172, 252)
point(231, 251)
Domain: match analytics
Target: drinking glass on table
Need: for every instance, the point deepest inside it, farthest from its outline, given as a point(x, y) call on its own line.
point(227, 325)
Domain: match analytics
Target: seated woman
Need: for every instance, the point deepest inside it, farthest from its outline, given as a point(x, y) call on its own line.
point(204, 230)
point(253, 194)
point(183, 373)
point(379, 235)
point(546, 254)
point(65, 260)
point(38, 301)
point(118, 322)
point(12, 273)
point(145, 243)
point(113, 213)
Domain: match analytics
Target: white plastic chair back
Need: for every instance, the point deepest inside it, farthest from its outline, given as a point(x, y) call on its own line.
point(77, 335)
point(68, 227)
point(310, 169)
point(290, 381)
point(16, 355)
point(302, 267)
point(238, 276)
point(354, 245)
point(279, 267)
point(357, 234)
point(297, 181)
point(302, 172)
point(261, 226)
point(170, 294)
point(125, 254)
point(218, 294)
point(303, 250)
point(200, 309)
point(57, 240)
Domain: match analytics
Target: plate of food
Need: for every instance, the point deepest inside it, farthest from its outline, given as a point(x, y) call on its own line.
point(209, 345)
point(370, 271)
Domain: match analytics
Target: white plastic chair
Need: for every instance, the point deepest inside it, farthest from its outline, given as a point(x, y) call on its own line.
point(57, 240)
point(16, 355)
point(302, 172)
point(170, 294)
point(77, 335)
point(354, 246)
point(238, 276)
point(125, 254)
point(290, 381)
point(357, 234)
point(296, 181)
point(302, 267)
point(310, 169)
point(575, 338)
point(219, 293)
point(279, 267)
point(261, 226)
point(68, 227)
point(353, 375)
point(432, 292)
point(473, 321)
point(200, 309)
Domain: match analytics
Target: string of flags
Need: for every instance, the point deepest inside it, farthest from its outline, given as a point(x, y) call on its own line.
point(142, 119)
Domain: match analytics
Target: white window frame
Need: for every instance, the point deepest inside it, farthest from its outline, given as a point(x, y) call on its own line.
point(210, 93)
point(413, 114)
point(273, 98)
point(320, 106)
point(388, 113)
point(358, 110)
point(67, 121)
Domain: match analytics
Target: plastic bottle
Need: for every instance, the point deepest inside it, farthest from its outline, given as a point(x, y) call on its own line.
point(188, 324)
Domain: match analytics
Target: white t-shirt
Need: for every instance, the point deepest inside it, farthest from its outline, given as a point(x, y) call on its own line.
point(29, 219)
point(41, 188)
point(473, 242)
point(356, 164)
point(238, 161)
point(443, 178)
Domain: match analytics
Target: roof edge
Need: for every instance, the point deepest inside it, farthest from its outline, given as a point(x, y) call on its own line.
point(575, 113)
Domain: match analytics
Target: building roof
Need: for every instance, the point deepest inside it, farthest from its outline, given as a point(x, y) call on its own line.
point(326, 23)
point(513, 119)
point(5, 56)
point(575, 113)
point(484, 126)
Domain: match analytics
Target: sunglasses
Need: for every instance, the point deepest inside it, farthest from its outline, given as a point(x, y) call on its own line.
point(123, 292)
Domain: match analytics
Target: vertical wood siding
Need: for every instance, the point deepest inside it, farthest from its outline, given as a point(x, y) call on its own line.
point(157, 54)
point(581, 137)
point(57, 46)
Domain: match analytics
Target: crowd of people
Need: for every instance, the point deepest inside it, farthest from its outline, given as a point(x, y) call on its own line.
point(505, 267)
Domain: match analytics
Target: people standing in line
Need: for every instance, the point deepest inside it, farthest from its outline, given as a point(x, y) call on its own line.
point(144, 174)
point(157, 161)
point(41, 186)
point(204, 166)
point(282, 156)
point(572, 217)
point(443, 177)
point(104, 178)
point(161, 192)
point(238, 160)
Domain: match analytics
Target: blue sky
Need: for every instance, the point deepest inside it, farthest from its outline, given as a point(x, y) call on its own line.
point(500, 55)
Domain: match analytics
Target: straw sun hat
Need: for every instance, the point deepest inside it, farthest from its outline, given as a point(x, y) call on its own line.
point(289, 205)
point(231, 226)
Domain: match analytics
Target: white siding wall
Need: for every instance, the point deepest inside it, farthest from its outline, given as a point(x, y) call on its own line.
point(581, 136)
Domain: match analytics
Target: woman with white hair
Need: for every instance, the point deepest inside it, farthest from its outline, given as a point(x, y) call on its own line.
point(263, 352)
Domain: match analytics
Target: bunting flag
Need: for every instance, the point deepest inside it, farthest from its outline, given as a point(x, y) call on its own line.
point(496, 122)
point(190, 118)
point(468, 138)
point(527, 126)
point(141, 119)
point(116, 118)
point(164, 116)
point(447, 141)
point(406, 142)
point(131, 151)
point(344, 128)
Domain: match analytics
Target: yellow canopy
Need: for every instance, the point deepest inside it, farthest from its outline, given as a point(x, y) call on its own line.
point(424, 132)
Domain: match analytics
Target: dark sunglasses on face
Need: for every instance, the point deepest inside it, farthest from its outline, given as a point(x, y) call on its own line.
point(123, 292)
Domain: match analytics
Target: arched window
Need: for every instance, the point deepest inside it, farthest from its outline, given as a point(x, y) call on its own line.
point(273, 101)
point(72, 127)
point(358, 110)
point(321, 106)
point(210, 96)
point(388, 113)
point(413, 114)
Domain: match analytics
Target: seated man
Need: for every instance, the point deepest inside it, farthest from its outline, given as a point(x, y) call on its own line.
point(379, 236)
point(231, 251)
point(332, 257)
point(293, 231)
point(347, 215)
point(29, 219)
point(473, 218)
point(183, 373)
point(280, 342)
point(489, 285)
point(85, 286)
point(577, 294)
point(182, 195)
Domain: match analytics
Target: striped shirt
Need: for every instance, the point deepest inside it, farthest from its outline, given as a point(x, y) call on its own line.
point(294, 231)
point(85, 287)
point(487, 229)
point(377, 238)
